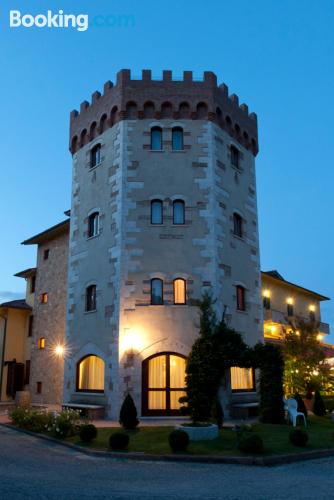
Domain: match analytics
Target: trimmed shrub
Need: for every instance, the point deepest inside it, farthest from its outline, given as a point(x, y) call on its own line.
point(319, 407)
point(298, 437)
point(301, 405)
point(251, 444)
point(217, 413)
point(178, 440)
point(88, 432)
point(119, 440)
point(128, 414)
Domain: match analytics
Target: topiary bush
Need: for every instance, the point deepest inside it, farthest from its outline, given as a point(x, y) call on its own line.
point(119, 440)
point(319, 407)
point(298, 437)
point(301, 404)
point(88, 432)
point(251, 444)
point(128, 414)
point(178, 440)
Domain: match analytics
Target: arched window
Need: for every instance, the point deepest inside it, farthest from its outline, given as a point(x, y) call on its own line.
point(179, 286)
point(237, 225)
point(157, 292)
point(156, 139)
point(90, 374)
point(241, 303)
point(93, 224)
point(177, 139)
point(163, 384)
point(95, 156)
point(156, 212)
point(178, 212)
point(91, 298)
point(235, 157)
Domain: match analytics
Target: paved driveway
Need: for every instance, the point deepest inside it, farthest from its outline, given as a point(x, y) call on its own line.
point(33, 468)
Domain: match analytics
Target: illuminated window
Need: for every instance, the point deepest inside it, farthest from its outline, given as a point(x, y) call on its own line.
point(156, 212)
point(178, 212)
point(95, 156)
point(179, 291)
point(237, 225)
point(163, 384)
point(41, 343)
point(241, 304)
point(91, 298)
point(242, 379)
point(44, 298)
point(90, 374)
point(93, 225)
point(156, 139)
point(235, 157)
point(177, 139)
point(156, 292)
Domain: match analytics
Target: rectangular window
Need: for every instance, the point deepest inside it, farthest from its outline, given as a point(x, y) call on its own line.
point(91, 298)
point(44, 298)
point(242, 379)
point(41, 343)
point(235, 157)
point(27, 372)
point(30, 325)
point(46, 254)
point(289, 309)
point(32, 284)
point(241, 304)
point(266, 302)
point(39, 387)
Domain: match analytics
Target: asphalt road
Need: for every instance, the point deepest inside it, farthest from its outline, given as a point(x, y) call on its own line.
point(37, 469)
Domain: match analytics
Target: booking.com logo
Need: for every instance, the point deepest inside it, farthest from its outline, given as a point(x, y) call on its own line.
point(80, 22)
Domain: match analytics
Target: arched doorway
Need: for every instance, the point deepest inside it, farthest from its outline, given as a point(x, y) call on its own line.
point(163, 384)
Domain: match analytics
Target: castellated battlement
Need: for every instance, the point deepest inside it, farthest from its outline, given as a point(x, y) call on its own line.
point(132, 99)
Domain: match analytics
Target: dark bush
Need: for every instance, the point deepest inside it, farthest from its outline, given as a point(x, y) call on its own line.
point(119, 441)
point(217, 413)
point(178, 440)
point(301, 404)
point(88, 432)
point(251, 444)
point(319, 407)
point(298, 437)
point(128, 414)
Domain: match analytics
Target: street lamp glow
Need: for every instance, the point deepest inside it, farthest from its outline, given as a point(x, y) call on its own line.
point(59, 350)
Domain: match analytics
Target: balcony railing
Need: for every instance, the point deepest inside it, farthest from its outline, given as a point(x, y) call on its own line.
point(279, 317)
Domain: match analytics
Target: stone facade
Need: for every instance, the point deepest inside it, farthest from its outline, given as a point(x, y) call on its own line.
point(129, 251)
point(49, 321)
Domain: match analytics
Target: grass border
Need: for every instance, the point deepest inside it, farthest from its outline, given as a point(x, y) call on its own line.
point(207, 459)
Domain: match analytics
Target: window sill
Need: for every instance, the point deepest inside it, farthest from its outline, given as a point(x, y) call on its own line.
point(93, 237)
point(156, 150)
point(95, 166)
point(240, 238)
point(237, 169)
point(90, 312)
point(242, 311)
point(89, 393)
point(178, 151)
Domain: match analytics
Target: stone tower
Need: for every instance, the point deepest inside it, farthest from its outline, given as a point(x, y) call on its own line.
point(163, 209)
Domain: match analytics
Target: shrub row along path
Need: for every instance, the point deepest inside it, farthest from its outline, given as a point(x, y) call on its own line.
point(34, 468)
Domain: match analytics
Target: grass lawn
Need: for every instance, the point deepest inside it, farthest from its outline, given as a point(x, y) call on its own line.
point(275, 438)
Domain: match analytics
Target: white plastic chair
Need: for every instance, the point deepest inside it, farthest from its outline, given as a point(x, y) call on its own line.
point(291, 405)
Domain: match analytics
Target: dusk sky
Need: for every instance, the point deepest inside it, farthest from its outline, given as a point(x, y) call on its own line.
point(276, 55)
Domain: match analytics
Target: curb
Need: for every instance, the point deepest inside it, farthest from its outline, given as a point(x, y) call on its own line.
point(207, 459)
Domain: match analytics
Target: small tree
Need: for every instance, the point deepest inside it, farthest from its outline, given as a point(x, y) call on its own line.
point(270, 361)
point(319, 407)
point(128, 414)
point(305, 367)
